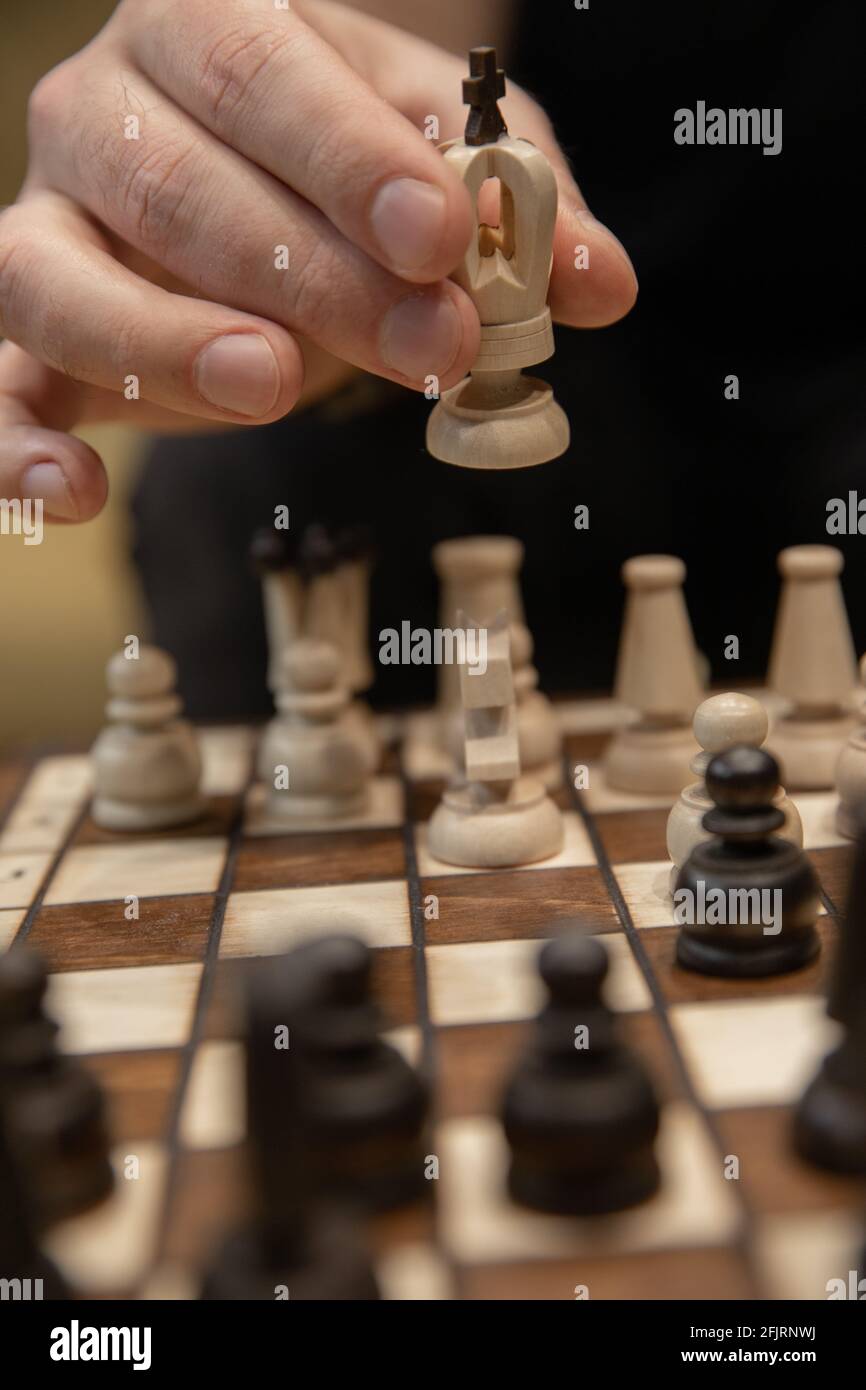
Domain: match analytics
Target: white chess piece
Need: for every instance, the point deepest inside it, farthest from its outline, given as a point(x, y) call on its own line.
point(317, 765)
point(146, 763)
point(657, 675)
point(719, 723)
point(813, 666)
point(496, 817)
point(851, 773)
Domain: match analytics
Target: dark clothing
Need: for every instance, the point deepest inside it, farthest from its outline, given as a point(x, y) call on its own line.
point(748, 264)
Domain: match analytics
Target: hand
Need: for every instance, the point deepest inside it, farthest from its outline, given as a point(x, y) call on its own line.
point(140, 270)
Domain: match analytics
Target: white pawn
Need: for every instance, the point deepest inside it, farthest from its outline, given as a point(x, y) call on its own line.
point(719, 723)
point(317, 761)
point(146, 763)
point(851, 774)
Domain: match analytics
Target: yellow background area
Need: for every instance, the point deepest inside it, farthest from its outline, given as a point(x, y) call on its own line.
point(65, 605)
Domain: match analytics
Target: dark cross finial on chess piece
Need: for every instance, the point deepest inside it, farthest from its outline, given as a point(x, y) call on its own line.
point(481, 91)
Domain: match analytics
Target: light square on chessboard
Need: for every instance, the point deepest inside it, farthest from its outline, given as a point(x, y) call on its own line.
point(38, 825)
point(141, 868)
point(576, 851)
point(600, 798)
point(753, 1051)
point(799, 1254)
point(10, 921)
point(116, 1010)
point(213, 1111)
point(21, 877)
point(109, 1249)
point(273, 920)
point(498, 981)
point(384, 809)
point(695, 1206)
point(647, 893)
point(676, 1275)
point(507, 903)
point(66, 777)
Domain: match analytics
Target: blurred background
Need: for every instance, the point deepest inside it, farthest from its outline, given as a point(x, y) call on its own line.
point(67, 603)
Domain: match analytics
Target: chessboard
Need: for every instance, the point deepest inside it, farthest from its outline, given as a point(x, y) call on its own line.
point(145, 936)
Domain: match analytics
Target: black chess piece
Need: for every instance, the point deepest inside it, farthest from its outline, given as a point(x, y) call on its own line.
point(830, 1120)
point(271, 550)
point(291, 1247)
point(26, 1272)
point(579, 1112)
point(55, 1108)
point(751, 898)
point(364, 1105)
point(317, 553)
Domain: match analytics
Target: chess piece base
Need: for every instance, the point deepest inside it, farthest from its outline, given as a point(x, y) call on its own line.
point(474, 829)
point(113, 814)
point(529, 430)
point(584, 1194)
point(333, 1269)
point(775, 958)
point(291, 806)
point(808, 749)
point(645, 759)
point(830, 1126)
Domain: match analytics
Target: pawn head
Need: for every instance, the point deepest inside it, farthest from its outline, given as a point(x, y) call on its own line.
point(150, 673)
point(730, 718)
point(743, 778)
point(574, 967)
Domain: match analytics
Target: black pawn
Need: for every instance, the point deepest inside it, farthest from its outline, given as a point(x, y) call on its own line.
point(753, 897)
point(291, 1247)
point(579, 1112)
point(830, 1120)
point(365, 1106)
point(55, 1108)
point(26, 1273)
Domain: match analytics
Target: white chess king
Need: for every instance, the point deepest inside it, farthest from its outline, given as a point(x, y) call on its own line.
point(497, 417)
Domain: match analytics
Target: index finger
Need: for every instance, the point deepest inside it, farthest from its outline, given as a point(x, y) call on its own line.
point(269, 86)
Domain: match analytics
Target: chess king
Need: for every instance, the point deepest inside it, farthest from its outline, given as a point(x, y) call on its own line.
point(497, 417)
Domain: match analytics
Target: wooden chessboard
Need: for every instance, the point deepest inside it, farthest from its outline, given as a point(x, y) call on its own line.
point(146, 1003)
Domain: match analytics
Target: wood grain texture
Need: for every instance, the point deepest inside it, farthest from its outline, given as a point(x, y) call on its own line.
point(681, 986)
point(502, 905)
point(94, 936)
point(351, 856)
point(139, 1088)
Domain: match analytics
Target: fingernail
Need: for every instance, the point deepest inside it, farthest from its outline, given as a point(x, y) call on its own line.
point(421, 336)
point(408, 219)
point(48, 482)
point(239, 373)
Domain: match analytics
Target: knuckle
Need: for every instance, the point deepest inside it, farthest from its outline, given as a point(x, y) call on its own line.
point(318, 280)
point(235, 63)
point(154, 187)
point(48, 104)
